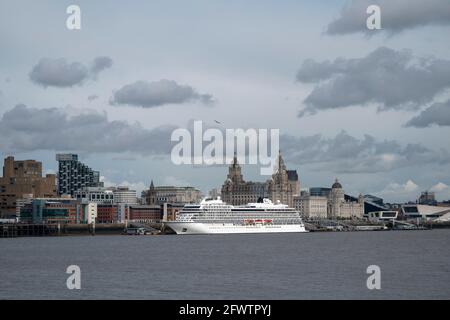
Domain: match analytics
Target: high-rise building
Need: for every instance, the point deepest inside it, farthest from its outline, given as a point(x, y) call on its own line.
point(282, 186)
point(74, 175)
point(23, 179)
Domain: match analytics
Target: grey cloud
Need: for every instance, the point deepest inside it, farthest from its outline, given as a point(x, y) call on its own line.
point(100, 64)
point(152, 94)
point(347, 154)
point(392, 79)
point(25, 129)
point(92, 97)
point(28, 129)
point(437, 113)
point(60, 73)
point(396, 15)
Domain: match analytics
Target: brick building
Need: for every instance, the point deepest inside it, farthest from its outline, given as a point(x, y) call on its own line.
point(23, 179)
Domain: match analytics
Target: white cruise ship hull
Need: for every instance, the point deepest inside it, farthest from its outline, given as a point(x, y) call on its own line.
point(224, 228)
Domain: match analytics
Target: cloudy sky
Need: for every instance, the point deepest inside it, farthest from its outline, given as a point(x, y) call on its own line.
point(371, 107)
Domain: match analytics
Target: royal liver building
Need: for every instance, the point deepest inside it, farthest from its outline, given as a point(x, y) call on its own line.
point(282, 186)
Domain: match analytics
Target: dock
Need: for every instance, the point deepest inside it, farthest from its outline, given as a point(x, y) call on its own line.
point(29, 230)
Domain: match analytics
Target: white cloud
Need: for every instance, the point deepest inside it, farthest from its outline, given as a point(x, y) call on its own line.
point(139, 186)
point(407, 191)
point(439, 187)
point(441, 190)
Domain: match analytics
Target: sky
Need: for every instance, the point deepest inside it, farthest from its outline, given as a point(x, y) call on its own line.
point(369, 107)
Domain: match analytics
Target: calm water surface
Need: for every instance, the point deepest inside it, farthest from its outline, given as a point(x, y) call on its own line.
point(414, 264)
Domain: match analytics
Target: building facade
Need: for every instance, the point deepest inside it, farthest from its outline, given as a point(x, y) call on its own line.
point(108, 213)
point(74, 175)
point(113, 204)
point(95, 194)
point(283, 186)
point(58, 210)
point(145, 213)
point(340, 208)
point(311, 207)
point(170, 194)
point(124, 195)
point(21, 180)
point(329, 203)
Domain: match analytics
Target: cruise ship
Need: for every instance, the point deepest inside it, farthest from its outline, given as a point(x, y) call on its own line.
point(213, 216)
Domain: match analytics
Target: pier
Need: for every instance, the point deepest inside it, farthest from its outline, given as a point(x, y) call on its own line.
point(29, 230)
point(14, 230)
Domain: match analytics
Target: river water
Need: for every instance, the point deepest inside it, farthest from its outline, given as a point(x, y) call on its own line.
point(332, 265)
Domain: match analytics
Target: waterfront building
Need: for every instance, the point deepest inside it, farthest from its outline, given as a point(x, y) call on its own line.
point(113, 203)
point(374, 204)
point(58, 210)
point(109, 213)
point(282, 187)
point(311, 206)
point(382, 216)
point(20, 180)
point(341, 208)
point(20, 203)
point(329, 203)
point(171, 210)
point(423, 212)
point(113, 212)
point(145, 213)
point(74, 175)
point(171, 194)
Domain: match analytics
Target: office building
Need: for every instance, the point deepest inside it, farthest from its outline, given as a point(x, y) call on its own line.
point(124, 195)
point(58, 210)
point(171, 194)
point(329, 203)
point(23, 179)
point(95, 194)
point(311, 206)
